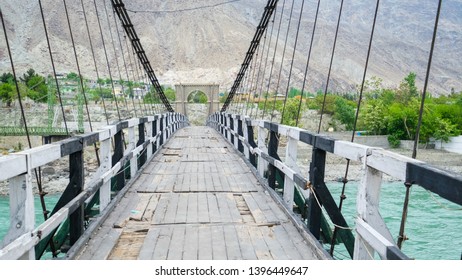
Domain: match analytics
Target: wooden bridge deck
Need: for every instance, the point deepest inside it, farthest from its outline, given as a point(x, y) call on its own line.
point(197, 199)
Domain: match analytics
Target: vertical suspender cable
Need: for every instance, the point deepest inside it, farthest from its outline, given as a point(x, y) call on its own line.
point(252, 79)
point(292, 62)
point(283, 56)
point(266, 62)
point(53, 66)
point(274, 58)
point(258, 76)
point(124, 61)
point(402, 237)
point(94, 60)
point(345, 178)
point(107, 59)
point(308, 61)
point(23, 115)
point(330, 65)
point(424, 93)
point(115, 56)
point(82, 87)
point(133, 71)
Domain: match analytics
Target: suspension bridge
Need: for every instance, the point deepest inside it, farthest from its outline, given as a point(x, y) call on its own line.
point(231, 189)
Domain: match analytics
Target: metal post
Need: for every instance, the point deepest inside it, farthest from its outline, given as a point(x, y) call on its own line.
point(76, 219)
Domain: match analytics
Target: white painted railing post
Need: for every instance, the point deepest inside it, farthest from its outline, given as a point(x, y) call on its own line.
point(22, 213)
point(228, 123)
point(131, 146)
point(262, 164)
point(368, 209)
point(235, 132)
point(148, 126)
point(290, 161)
point(105, 190)
point(245, 132)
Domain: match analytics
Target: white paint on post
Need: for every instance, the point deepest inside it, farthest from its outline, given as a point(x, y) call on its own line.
point(245, 132)
point(262, 164)
point(367, 206)
point(106, 164)
point(148, 126)
point(130, 148)
point(235, 131)
point(291, 162)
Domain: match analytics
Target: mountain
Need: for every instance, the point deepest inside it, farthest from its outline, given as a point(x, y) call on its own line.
point(206, 41)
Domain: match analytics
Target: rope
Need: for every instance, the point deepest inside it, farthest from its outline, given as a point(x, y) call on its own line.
point(94, 60)
point(53, 66)
point(330, 66)
point(133, 71)
point(424, 93)
point(308, 61)
point(252, 77)
point(292, 62)
point(107, 59)
point(282, 59)
point(262, 47)
point(345, 178)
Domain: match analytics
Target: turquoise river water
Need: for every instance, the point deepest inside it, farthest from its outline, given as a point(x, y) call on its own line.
point(433, 226)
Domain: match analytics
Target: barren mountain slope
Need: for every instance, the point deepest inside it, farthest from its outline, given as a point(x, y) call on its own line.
point(189, 45)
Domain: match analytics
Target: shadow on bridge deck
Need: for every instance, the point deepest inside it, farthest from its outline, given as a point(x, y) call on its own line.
point(197, 199)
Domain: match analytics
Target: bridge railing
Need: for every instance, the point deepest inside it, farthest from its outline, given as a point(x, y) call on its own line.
point(123, 150)
point(308, 195)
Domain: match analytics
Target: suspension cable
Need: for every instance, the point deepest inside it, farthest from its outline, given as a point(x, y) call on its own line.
point(427, 77)
point(266, 62)
point(262, 48)
point(330, 65)
point(115, 56)
point(308, 59)
point(274, 58)
point(107, 60)
point(282, 59)
point(133, 70)
point(292, 62)
point(345, 178)
point(53, 67)
point(26, 128)
point(402, 237)
point(124, 61)
point(252, 78)
point(94, 61)
point(270, 6)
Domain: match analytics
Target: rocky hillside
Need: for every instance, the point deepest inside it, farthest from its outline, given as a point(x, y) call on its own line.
point(189, 45)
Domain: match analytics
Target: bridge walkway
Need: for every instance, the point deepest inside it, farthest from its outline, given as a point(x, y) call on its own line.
point(197, 199)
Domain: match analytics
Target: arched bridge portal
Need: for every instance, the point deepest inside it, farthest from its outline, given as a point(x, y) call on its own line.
point(183, 90)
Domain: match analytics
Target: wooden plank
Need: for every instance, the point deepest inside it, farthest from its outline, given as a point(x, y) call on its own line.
point(261, 249)
point(233, 250)
point(172, 206)
point(136, 214)
point(266, 203)
point(175, 250)
point(193, 209)
point(101, 246)
point(149, 243)
point(161, 209)
point(214, 212)
point(205, 243)
point(203, 209)
point(191, 243)
point(151, 207)
point(182, 209)
point(245, 243)
point(233, 210)
point(277, 251)
point(218, 240)
point(285, 240)
point(163, 243)
point(223, 207)
point(300, 243)
point(256, 212)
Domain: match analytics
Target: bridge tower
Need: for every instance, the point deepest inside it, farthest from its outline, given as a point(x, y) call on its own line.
point(183, 90)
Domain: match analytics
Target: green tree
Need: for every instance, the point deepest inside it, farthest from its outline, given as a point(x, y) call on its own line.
point(73, 76)
point(344, 112)
point(407, 89)
point(7, 93)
